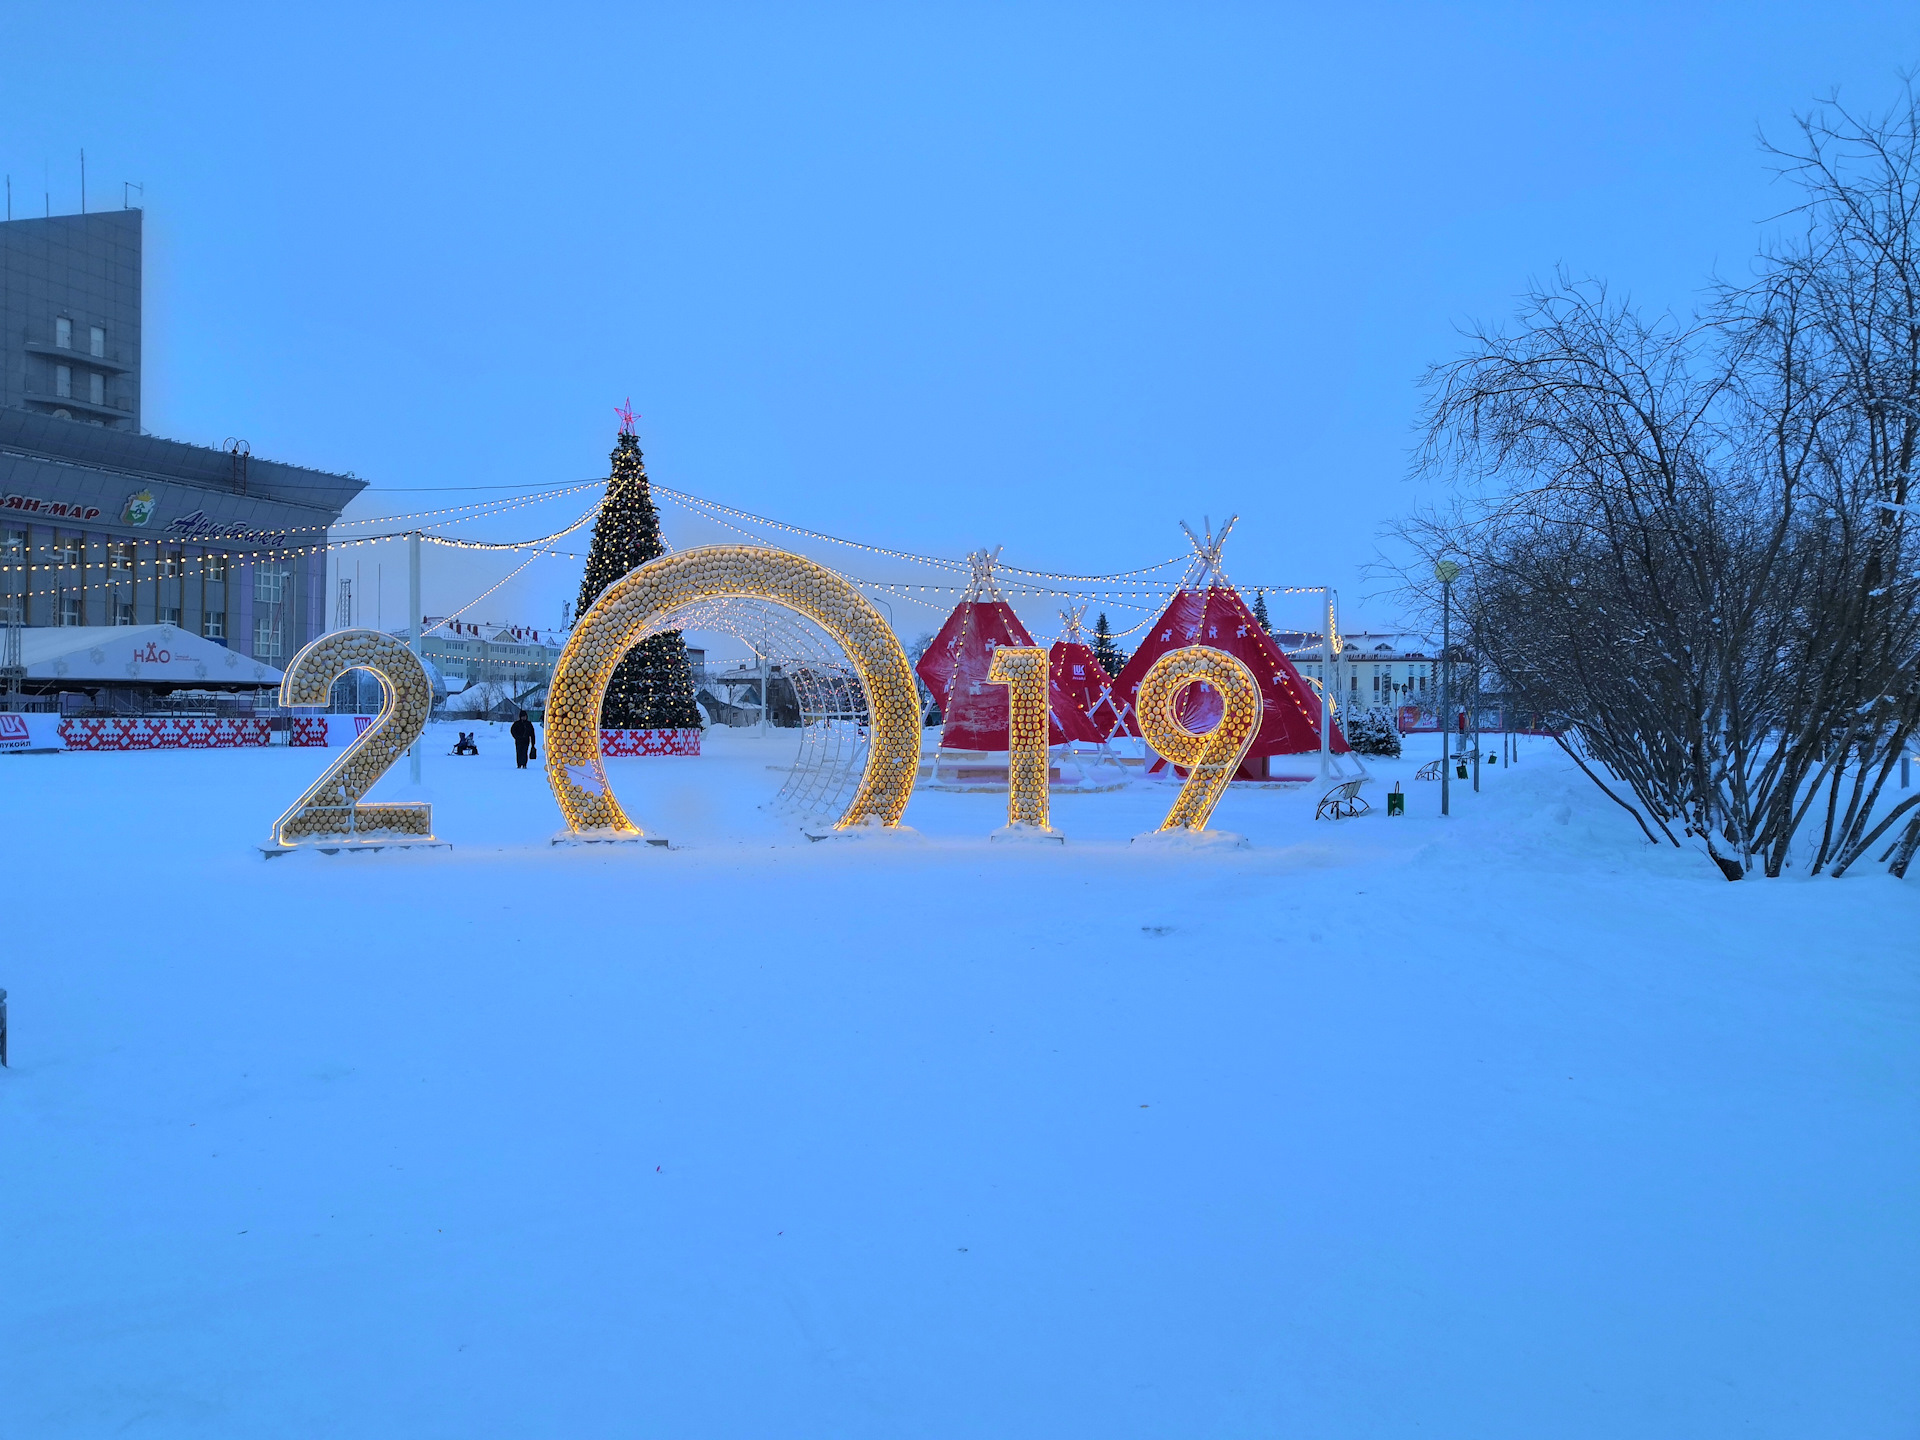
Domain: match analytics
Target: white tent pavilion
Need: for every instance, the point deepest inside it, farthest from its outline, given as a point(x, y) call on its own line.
point(159, 655)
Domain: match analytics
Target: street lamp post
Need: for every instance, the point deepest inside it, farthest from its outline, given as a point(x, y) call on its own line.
point(1445, 571)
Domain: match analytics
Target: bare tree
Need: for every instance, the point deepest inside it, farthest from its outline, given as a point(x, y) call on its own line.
point(1689, 543)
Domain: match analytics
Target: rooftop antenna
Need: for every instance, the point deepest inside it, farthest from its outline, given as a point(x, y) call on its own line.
point(239, 450)
point(1204, 569)
point(126, 188)
point(83, 182)
point(9, 197)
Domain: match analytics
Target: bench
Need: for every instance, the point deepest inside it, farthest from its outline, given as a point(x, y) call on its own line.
point(1428, 771)
point(1341, 801)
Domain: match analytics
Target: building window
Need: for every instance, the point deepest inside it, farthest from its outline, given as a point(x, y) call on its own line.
point(63, 333)
point(63, 381)
point(97, 388)
point(266, 639)
point(123, 612)
point(215, 564)
point(97, 342)
point(173, 564)
point(269, 585)
point(13, 545)
point(70, 550)
point(214, 626)
point(120, 556)
point(169, 614)
point(70, 610)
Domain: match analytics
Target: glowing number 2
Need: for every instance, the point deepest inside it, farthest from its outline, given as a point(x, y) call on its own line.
point(1023, 671)
point(331, 806)
point(1209, 759)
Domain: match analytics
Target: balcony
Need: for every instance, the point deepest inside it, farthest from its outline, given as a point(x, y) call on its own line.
point(79, 358)
point(79, 407)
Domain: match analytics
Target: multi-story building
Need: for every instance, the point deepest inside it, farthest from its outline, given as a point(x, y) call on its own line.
point(70, 308)
point(1371, 667)
point(103, 524)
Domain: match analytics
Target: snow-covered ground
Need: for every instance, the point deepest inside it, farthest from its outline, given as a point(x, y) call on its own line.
point(1503, 1126)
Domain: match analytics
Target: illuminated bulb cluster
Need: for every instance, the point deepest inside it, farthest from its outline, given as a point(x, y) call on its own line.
point(639, 603)
point(1211, 758)
point(331, 806)
point(1024, 672)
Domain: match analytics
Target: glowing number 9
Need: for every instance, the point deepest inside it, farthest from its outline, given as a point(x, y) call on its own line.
point(331, 805)
point(1208, 759)
point(1023, 671)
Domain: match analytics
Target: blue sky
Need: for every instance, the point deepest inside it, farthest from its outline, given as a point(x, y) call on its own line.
point(933, 277)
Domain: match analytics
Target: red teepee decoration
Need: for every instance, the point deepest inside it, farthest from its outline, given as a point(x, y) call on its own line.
point(1209, 611)
point(1075, 669)
point(973, 708)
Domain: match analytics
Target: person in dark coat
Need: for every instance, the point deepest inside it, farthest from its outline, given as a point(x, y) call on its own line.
point(522, 732)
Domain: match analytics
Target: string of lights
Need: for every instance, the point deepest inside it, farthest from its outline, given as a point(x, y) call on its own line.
point(484, 593)
point(713, 509)
point(1152, 600)
point(698, 504)
point(182, 567)
point(484, 509)
point(456, 544)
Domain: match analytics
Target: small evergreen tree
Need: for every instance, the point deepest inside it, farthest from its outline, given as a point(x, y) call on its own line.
point(1372, 732)
point(652, 687)
point(1260, 610)
point(1110, 656)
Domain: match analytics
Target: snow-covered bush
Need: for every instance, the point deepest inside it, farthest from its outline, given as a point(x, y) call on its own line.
point(1372, 732)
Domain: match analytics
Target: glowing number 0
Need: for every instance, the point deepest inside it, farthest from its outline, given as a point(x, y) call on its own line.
point(1023, 671)
point(1209, 759)
point(644, 599)
point(331, 805)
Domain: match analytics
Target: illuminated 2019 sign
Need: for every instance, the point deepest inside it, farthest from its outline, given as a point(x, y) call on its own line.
point(653, 597)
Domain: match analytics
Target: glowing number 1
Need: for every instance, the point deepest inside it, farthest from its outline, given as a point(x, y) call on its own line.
point(1023, 671)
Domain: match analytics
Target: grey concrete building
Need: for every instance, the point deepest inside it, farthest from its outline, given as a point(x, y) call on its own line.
point(70, 308)
point(102, 524)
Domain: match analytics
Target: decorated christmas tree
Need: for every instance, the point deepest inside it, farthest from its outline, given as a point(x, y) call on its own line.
point(1260, 610)
point(1104, 650)
point(652, 688)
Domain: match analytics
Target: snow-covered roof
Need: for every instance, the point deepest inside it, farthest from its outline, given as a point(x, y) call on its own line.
point(141, 654)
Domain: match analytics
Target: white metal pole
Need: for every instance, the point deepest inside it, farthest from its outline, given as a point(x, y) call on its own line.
point(413, 630)
point(1326, 690)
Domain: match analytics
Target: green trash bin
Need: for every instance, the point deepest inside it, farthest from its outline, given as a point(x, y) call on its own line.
point(1396, 801)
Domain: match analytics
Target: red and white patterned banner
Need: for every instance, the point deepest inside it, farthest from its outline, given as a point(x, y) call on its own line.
point(627, 743)
point(193, 732)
